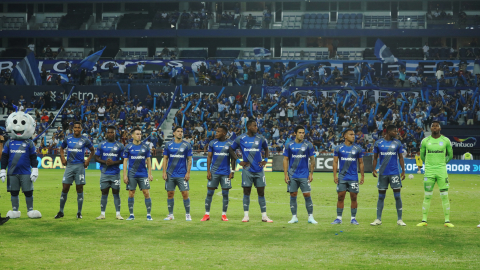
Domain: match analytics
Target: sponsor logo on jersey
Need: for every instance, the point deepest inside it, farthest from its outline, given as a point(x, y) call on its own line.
point(251, 150)
point(440, 143)
point(220, 154)
point(80, 143)
point(17, 151)
point(24, 144)
point(115, 148)
point(138, 157)
point(388, 153)
point(348, 159)
point(109, 155)
point(299, 156)
point(303, 148)
point(177, 156)
point(435, 151)
point(75, 150)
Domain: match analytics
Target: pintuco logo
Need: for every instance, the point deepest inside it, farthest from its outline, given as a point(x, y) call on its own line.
point(464, 142)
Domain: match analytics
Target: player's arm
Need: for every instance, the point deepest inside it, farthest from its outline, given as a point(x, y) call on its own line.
point(233, 164)
point(335, 169)
point(209, 163)
point(165, 165)
point(375, 157)
point(361, 166)
point(149, 168)
point(92, 153)
point(402, 163)
point(62, 156)
point(125, 170)
point(189, 167)
point(423, 151)
point(449, 152)
point(265, 147)
point(285, 169)
point(312, 168)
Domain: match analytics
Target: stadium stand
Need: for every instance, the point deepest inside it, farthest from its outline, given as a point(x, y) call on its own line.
point(133, 21)
point(71, 21)
point(13, 23)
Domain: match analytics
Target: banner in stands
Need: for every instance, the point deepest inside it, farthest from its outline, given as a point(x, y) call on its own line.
point(323, 163)
point(464, 141)
point(429, 67)
point(455, 166)
point(199, 163)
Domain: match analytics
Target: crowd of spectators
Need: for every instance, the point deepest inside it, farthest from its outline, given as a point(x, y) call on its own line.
point(336, 115)
point(96, 114)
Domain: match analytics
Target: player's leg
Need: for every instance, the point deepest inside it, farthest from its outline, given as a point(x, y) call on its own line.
point(226, 184)
point(260, 183)
point(184, 187)
point(353, 208)
point(131, 200)
point(306, 189)
point(116, 201)
point(341, 192)
point(382, 186)
point(148, 202)
point(428, 184)
point(398, 205)
point(170, 188)
point(103, 200)
point(79, 189)
point(208, 202)
point(63, 197)
point(444, 185)
point(247, 189)
point(293, 206)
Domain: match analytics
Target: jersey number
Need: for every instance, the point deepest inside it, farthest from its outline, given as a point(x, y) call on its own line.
point(116, 182)
point(264, 181)
point(145, 181)
point(395, 179)
point(227, 181)
point(354, 185)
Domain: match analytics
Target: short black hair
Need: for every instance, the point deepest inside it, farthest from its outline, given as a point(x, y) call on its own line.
point(347, 130)
point(224, 128)
point(135, 129)
point(298, 128)
point(435, 121)
point(112, 127)
point(391, 127)
point(177, 127)
point(77, 123)
point(251, 121)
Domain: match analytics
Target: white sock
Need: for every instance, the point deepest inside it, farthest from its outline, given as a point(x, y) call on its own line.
point(148, 215)
point(246, 213)
point(102, 213)
point(207, 213)
point(294, 216)
point(224, 213)
point(311, 215)
point(264, 214)
point(352, 218)
point(118, 213)
point(339, 217)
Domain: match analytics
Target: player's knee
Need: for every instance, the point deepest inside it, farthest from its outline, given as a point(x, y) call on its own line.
point(115, 191)
point(261, 193)
point(306, 194)
point(444, 190)
point(185, 195)
point(105, 191)
point(225, 192)
point(170, 194)
point(293, 194)
point(247, 191)
point(353, 197)
point(146, 193)
point(79, 189)
point(210, 192)
point(341, 197)
point(28, 194)
point(14, 193)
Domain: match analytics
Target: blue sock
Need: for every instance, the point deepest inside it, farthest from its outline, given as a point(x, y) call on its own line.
point(80, 202)
point(339, 212)
point(309, 205)
point(354, 212)
point(29, 201)
point(262, 203)
point(225, 200)
point(103, 203)
point(208, 200)
point(398, 204)
point(131, 202)
point(15, 203)
point(293, 205)
point(170, 204)
point(380, 203)
point(148, 204)
point(186, 203)
point(116, 201)
point(63, 200)
point(246, 202)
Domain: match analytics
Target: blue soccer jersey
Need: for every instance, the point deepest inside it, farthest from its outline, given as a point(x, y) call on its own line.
point(251, 148)
point(347, 157)
point(221, 156)
point(19, 152)
point(177, 154)
point(298, 155)
point(137, 156)
point(76, 148)
point(110, 150)
point(388, 152)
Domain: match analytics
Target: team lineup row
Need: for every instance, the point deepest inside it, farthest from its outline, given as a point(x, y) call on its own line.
point(298, 166)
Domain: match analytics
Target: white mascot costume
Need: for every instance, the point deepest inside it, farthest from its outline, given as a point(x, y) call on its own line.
point(20, 157)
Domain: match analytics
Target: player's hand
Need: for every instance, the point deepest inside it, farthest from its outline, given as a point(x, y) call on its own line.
point(209, 175)
point(362, 179)
point(335, 179)
point(187, 176)
point(262, 164)
point(245, 164)
point(34, 175)
point(374, 173)
point(86, 163)
point(287, 179)
point(150, 177)
point(3, 175)
point(64, 162)
point(164, 176)
point(125, 179)
point(109, 162)
point(310, 177)
point(232, 174)
point(402, 175)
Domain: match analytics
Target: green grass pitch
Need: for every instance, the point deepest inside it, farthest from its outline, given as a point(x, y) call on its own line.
point(89, 244)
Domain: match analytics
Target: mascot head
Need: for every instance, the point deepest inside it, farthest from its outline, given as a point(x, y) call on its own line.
point(20, 126)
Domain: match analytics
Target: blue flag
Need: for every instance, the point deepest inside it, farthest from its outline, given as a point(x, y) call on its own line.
point(26, 72)
point(261, 52)
point(382, 52)
point(90, 61)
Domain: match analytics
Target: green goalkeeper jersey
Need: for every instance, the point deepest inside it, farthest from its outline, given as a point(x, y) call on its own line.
point(436, 153)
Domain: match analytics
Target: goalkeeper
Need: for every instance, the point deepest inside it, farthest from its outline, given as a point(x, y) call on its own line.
point(436, 151)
